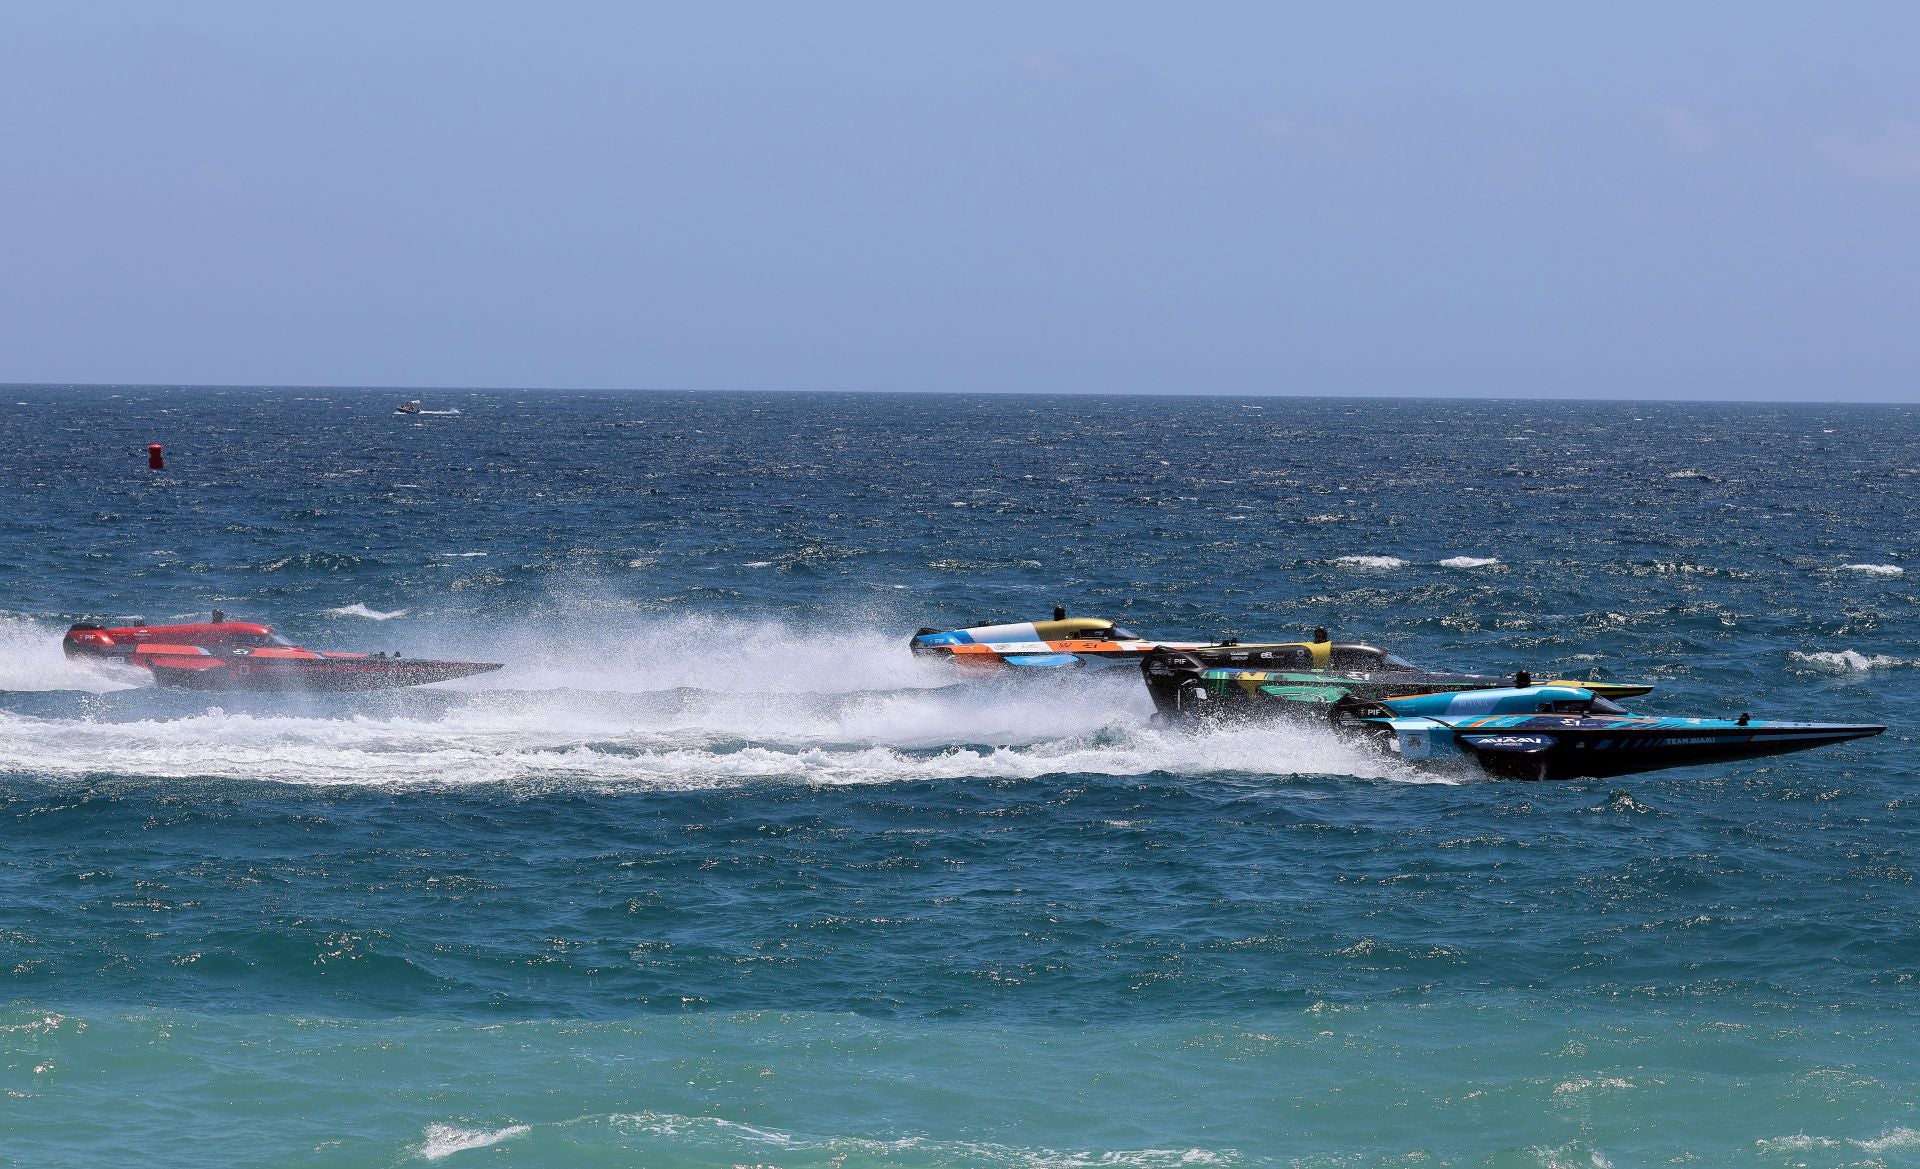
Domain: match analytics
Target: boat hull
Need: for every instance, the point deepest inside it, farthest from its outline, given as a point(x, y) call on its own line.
point(1551, 747)
point(325, 676)
point(1606, 754)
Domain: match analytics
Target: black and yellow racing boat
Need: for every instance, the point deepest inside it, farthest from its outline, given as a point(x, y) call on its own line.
point(1306, 679)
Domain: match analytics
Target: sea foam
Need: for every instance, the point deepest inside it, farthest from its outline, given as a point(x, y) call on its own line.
point(359, 609)
point(444, 1140)
point(1371, 562)
point(1847, 661)
point(31, 658)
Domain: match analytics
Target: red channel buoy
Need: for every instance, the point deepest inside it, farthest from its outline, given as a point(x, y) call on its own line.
point(156, 457)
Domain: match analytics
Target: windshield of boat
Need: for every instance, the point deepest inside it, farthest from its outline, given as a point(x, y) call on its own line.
point(256, 640)
point(1362, 657)
point(1120, 633)
point(1396, 662)
point(1594, 705)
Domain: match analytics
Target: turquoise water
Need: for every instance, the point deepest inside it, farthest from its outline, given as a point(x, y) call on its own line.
point(715, 873)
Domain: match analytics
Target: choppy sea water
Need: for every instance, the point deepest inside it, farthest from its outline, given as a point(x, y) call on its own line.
point(715, 873)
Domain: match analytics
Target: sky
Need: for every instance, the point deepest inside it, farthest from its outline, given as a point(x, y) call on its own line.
point(1662, 201)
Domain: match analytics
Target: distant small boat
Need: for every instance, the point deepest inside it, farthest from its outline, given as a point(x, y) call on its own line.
point(407, 408)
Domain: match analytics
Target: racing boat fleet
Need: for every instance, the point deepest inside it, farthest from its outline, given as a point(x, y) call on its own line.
point(1505, 726)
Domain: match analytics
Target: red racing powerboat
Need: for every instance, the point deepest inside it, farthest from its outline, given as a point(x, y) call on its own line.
point(240, 655)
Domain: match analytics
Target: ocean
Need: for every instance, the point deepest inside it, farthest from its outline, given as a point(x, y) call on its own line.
point(715, 872)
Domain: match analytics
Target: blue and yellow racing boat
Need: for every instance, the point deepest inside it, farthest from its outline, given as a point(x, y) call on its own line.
point(1563, 732)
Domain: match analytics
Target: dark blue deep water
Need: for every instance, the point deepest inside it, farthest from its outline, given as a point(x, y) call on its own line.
point(715, 873)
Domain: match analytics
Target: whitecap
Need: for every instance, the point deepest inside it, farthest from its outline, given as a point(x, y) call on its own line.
point(359, 609)
point(712, 1139)
point(1847, 661)
point(1875, 569)
point(444, 1140)
point(1382, 562)
point(1469, 561)
point(1899, 1137)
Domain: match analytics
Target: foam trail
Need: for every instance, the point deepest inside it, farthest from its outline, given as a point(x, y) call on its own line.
point(1469, 562)
point(31, 659)
point(1874, 569)
point(708, 745)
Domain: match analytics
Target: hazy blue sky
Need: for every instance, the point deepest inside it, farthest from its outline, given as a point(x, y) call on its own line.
point(1665, 200)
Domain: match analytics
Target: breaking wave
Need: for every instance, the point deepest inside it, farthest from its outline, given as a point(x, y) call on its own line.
point(1874, 569)
point(1378, 562)
point(1847, 661)
point(1469, 562)
point(444, 1140)
point(359, 609)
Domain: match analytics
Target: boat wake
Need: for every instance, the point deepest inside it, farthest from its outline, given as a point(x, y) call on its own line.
point(31, 660)
point(785, 705)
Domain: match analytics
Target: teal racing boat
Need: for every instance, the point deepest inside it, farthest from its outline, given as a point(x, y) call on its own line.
point(1563, 732)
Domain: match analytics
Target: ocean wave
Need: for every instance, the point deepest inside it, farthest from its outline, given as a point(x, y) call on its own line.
point(1372, 562)
point(359, 609)
point(1469, 562)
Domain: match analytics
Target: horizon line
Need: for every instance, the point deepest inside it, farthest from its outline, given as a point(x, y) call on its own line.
point(734, 391)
